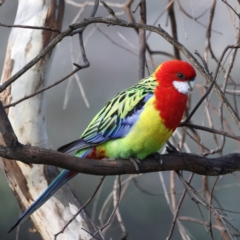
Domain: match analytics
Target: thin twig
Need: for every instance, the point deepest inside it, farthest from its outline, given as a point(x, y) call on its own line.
point(198, 199)
point(210, 202)
point(194, 220)
point(114, 210)
point(142, 39)
point(108, 198)
point(203, 62)
point(209, 30)
point(237, 14)
point(44, 89)
point(178, 209)
point(30, 27)
point(212, 85)
point(115, 43)
point(172, 190)
point(212, 130)
point(196, 18)
point(92, 14)
point(110, 11)
point(141, 189)
point(171, 14)
point(118, 214)
point(83, 206)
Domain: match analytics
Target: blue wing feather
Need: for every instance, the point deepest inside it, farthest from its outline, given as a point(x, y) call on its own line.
point(109, 125)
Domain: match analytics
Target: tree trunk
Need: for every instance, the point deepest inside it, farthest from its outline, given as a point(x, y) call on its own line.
point(29, 121)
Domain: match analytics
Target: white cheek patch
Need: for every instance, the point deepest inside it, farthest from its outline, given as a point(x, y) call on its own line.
point(184, 87)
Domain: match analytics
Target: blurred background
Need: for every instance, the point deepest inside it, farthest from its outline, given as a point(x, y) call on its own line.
point(146, 214)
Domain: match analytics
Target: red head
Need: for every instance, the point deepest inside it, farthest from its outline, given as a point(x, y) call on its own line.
point(176, 74)
point(175, 80)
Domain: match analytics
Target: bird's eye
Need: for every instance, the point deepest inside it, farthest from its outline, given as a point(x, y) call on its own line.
point(180, 75)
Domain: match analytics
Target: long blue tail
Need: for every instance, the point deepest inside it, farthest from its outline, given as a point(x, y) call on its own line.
point(58, 182)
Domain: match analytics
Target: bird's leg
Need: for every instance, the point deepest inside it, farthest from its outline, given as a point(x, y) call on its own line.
point(170, 148)
point(135, 163)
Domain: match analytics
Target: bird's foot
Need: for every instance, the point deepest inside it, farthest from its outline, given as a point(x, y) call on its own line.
point(135, 163)
point(170, 148)
point(156, 155)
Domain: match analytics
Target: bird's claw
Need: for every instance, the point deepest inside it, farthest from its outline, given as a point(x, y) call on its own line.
point(171, 149)
point(156, 155)
point(135, 163)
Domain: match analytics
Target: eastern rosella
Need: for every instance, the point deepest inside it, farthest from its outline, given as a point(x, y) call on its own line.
point(134, 124)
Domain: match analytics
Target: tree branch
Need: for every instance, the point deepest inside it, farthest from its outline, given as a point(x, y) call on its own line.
point(174, 161)
point(171, 14)
point(142, 40)
point(30, 27)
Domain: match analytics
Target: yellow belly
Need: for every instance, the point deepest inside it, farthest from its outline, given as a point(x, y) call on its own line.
point(146, 137)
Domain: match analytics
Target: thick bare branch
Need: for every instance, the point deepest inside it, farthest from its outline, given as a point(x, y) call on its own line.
point(177, 161)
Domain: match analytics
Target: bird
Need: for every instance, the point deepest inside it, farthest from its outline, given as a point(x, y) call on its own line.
point(134, 124)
